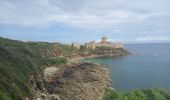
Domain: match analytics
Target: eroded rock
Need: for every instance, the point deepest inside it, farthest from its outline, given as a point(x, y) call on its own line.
point(76, 81)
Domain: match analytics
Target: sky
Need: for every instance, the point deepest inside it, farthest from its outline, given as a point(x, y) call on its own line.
point(66, 21)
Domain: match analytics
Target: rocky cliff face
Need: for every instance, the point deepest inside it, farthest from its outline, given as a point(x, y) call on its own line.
point(114, 52)
point(98, 53)
point(76, 81)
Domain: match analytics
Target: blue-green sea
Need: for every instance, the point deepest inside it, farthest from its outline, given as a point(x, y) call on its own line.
point(147, 67)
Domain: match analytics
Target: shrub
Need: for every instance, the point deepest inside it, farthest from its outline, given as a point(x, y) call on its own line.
point(56, 60)
point(138, 94)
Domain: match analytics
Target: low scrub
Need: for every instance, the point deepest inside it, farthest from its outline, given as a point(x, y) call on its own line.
point(20, 60)
point(56, 60)
point(138, 94)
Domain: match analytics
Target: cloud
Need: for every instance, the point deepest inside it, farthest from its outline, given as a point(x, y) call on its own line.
point(97, 15)
point(152, 38)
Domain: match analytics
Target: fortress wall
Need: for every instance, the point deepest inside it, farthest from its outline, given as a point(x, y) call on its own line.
point(104, 42)
point(76, 45)
point(112, 45)
point(118, 45)
point(90, 45)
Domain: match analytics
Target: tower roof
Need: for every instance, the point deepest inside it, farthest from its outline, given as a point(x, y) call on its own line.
point(104, 37)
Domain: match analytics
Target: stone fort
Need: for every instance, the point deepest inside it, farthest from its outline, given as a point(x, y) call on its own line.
point(103, 43)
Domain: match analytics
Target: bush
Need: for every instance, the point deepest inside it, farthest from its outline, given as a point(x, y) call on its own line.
point(138, 94)
point(56, 60)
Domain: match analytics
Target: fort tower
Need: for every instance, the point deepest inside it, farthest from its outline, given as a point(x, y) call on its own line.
point(104, 39)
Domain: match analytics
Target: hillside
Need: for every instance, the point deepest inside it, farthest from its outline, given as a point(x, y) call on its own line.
point(20, 60)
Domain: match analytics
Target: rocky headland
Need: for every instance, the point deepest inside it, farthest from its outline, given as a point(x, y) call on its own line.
point(77, 80)
point(98, 53)
point(74, 81)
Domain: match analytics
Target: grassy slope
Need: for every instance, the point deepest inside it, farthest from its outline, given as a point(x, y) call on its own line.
point(138, 94)
point(19, 60)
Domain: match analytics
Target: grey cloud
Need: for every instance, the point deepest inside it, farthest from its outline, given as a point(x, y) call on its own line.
point(96, 15)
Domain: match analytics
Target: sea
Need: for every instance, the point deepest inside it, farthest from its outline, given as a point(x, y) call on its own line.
point(147, 67)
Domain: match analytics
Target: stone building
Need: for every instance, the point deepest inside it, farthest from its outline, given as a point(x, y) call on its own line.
point(107, 43)
point(75, 45)
point(118, 45)
point(103, 43)
point(90, 45)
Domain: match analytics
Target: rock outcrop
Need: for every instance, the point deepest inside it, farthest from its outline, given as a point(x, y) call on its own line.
point(98, 53)
point(76, 81)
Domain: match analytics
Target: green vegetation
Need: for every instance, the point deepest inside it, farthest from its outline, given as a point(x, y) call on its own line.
point(20, 60)
point(51, 49)
point(82, 49)
point(56, 60)
point(138, 94)
point(17, 62)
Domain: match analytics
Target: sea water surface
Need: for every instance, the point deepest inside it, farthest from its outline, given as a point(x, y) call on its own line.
point(147, 67)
